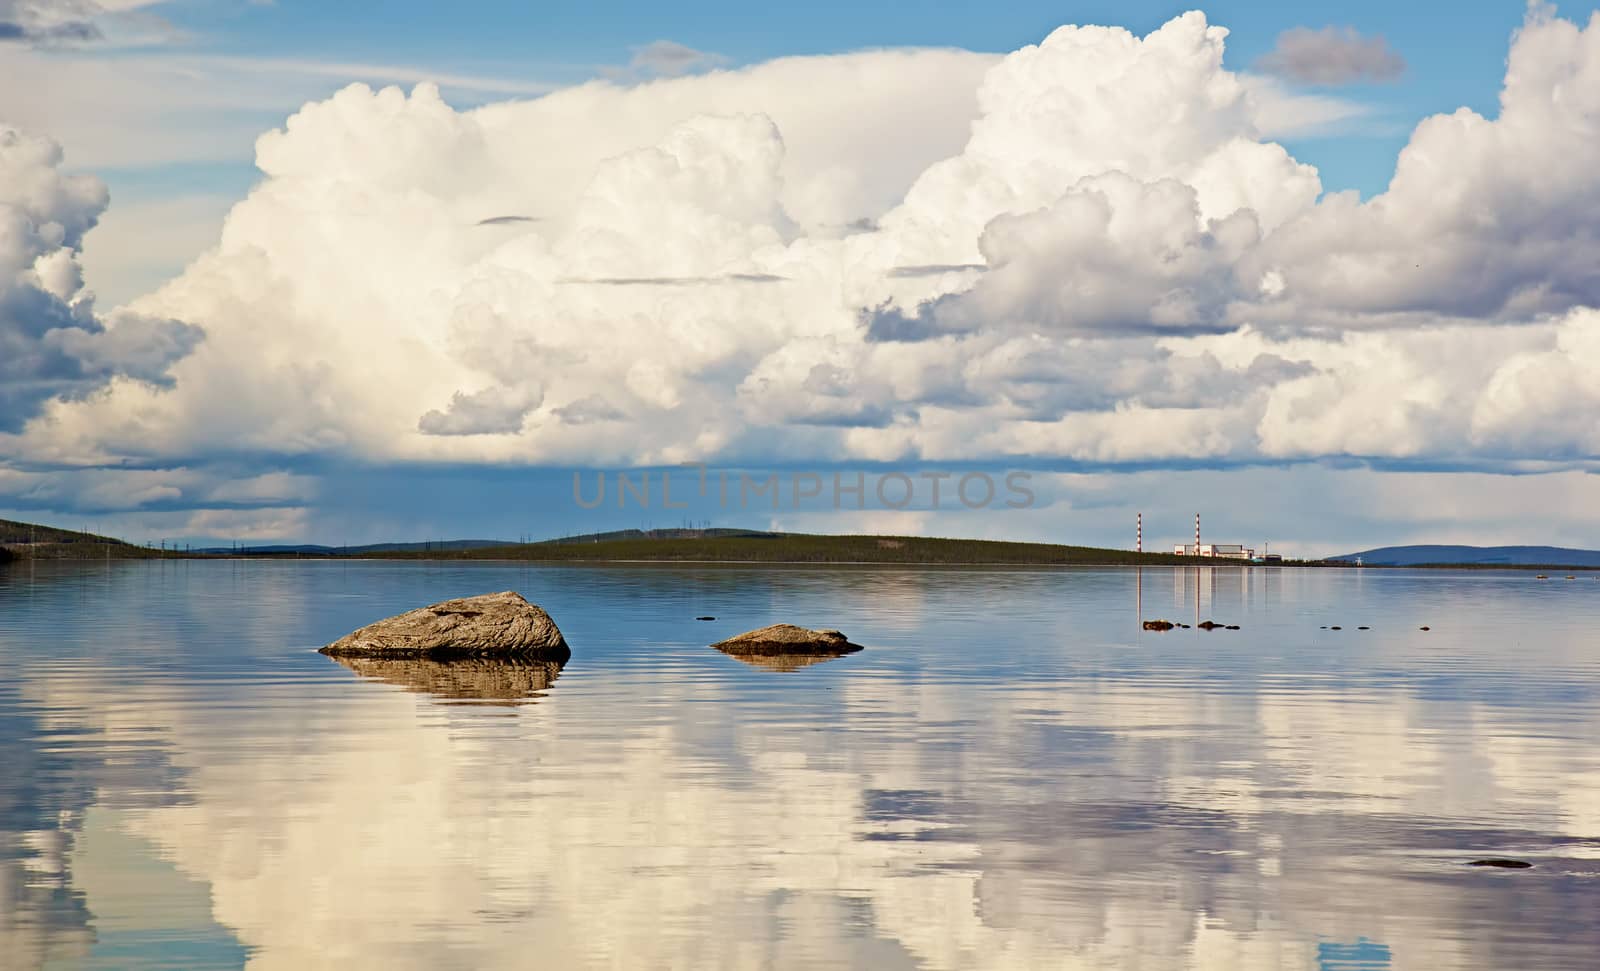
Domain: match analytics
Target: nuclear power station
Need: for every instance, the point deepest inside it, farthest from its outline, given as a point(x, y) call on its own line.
point(1220, 551)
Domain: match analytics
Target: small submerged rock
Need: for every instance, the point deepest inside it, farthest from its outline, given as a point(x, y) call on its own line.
point(1159, 625)
point(492, 625)
point(787, 639)
point(1424, 628)
point(705, 618)
point(1503, 864)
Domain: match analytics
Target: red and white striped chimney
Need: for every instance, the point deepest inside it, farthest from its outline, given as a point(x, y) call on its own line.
point(1138, 540)
point(1196, 534)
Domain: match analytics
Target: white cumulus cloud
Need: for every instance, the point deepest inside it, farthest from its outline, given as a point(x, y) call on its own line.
point(1103, 258)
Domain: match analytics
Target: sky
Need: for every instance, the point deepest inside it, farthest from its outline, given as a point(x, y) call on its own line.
point(354, 272)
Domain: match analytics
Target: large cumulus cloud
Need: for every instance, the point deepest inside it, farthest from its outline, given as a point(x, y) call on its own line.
point(52, 344)
point(1113, 264)
point(1484, 218)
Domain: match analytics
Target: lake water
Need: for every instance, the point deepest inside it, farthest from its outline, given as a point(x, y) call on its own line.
point(1011, 775)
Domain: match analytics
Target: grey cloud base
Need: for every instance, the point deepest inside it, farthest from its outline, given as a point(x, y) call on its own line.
point(52, 343)
point(1332, 55)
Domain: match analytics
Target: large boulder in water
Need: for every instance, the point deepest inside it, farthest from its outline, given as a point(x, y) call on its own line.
point(787, 639)
point(493, 625)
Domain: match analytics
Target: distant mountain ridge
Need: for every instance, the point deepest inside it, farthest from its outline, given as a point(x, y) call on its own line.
point(1474, 555)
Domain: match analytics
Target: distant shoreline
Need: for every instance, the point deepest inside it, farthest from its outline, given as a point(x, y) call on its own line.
point(86, 556)
point(21, 542)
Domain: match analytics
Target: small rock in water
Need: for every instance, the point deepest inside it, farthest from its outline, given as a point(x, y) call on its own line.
point(1208, 625)
point(1233, 627)
point(1503, 864)
point(705, 618)
point(1159, 625)
point(1363, 628)
point(1184, 626)
point(1336, 628)
point(787, 639)
point(1424, 628)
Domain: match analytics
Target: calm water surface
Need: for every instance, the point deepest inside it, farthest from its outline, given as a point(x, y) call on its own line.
point(1012, 775)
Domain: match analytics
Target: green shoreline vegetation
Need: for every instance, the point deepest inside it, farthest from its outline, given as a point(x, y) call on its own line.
point(757, 547)
point(30, 541)
point(27, 541)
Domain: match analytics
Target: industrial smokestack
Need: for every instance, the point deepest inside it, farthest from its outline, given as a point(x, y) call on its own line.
point(1138, 536)
point(1196, 534)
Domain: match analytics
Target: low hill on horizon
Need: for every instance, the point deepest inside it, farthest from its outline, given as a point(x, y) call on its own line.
point(318, 549)
point(683, 545)
point(656, 534)
point(1474, 556)
point(755, 546)
point(462, 545)
point(32, 541)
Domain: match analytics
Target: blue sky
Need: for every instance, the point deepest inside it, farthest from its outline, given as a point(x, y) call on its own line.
point(564, 43)
point(807, 285)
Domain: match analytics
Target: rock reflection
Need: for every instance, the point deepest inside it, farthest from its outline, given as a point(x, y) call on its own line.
point(510, 681)
point(785, 662)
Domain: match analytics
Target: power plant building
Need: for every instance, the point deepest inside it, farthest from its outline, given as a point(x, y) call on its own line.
point(1221, 551)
